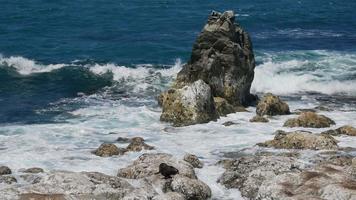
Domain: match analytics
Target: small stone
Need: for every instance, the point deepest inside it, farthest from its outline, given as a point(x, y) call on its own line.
point(106, 150)
point(34, 170)
point(311, 120)
point(138, 144)
point(272, 105)
point(5, 170)
point(258, 118)
point(123, 139)
point(193, 160)
point(229, 123)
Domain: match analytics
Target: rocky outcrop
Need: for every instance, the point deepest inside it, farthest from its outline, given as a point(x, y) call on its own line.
point(184, 185)
point(272, 105)
point(106, 150)
point(192, 104)
point(344, 130)
point(285, 177)
point(222, 56)
point(223, 59)
point(4, 170)
point(138, 144)
point(193, 160)
point(301, 140)
point(311, 120)
point(258, 118)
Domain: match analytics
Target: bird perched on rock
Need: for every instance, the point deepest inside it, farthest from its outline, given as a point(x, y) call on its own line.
point(167, 171)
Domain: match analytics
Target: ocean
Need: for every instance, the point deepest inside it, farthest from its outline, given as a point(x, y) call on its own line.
point(75, 74)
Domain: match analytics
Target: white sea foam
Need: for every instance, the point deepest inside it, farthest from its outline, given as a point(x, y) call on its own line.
point(26, 66)
point(322, 72)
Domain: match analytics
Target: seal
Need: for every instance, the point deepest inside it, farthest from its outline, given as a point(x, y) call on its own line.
point(167, 171)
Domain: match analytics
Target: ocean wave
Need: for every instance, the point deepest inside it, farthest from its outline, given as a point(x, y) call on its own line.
point(299, 33)
point(306, 71)
point(26, 66)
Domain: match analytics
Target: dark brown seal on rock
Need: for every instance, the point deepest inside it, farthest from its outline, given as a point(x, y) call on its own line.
point(167, 171)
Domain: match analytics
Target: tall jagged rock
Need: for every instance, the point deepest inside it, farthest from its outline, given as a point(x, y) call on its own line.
point(222, 56)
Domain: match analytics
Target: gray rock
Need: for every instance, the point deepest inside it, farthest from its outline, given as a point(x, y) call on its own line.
point(193, 160)
point(4, 170)
point(148, 164)
point(229, 123)
point(272, 105)
point(170, 196)
point(222, 56)
point(8, 179)
point(301, 140)
point(258, 118)
point(33, 170)
point(191, 188)
point(192, 104)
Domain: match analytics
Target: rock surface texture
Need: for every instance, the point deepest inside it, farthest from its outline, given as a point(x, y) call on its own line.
point(272, 105)
point(222, 57)
point(344, 130)
point(311, 120)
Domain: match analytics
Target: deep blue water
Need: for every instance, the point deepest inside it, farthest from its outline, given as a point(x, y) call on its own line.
point(130, 32)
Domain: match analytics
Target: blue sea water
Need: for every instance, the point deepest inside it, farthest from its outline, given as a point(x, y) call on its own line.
point(71, 72)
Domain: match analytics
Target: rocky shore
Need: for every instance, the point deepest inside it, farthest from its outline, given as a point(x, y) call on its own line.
point(295, 164)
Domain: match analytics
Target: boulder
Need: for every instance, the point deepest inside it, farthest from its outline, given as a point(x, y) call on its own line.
point(272, 105)
point(309, 119)
point(192, 104)
point(106, 150)
point(258, 118)
point(4, 170)
point(191, 188)
point(222, 56)
point(344, 130)
point(138, 144)
point(223, 107)
point(193, 160)
point(301, 140)
point(7, 179)
point(148, 164)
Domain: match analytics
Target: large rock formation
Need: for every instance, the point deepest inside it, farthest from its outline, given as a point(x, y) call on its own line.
point(222, 57)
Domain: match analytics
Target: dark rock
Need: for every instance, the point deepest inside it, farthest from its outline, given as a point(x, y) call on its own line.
point(5, 170)
point(123, 140)
point(7, 179)
point(229, 123)
point(138, 144)
point(258, 118)
point(272, 105)
point(223, 107)
point(311, 120)
point(106, 150)
point(193, 160)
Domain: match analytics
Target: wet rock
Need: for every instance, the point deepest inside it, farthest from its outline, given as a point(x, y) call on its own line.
point(223, 107)
point(148, 164)
point(7, 179)
point(31, 178)
point(344, 130)
point(5, 170)
point(192, 104)
point(311, 120)
point(272, 105)
point(301, 140)
point(222, 56)
point(193, 160)
point(229, 123)
point(248, 172)
point(191, 188)
point(170, 196)
point(138, 144)
point(258, 118)
point(33, 170)
point(107, 150)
